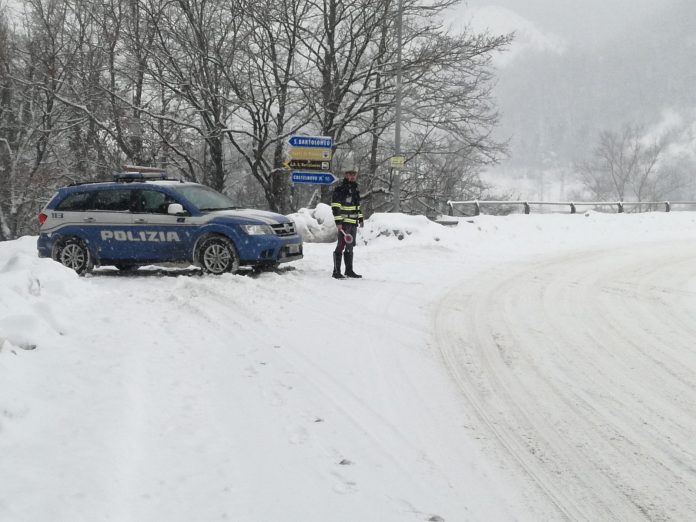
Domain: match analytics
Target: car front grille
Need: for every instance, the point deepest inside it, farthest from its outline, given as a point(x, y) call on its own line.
point(284, 229)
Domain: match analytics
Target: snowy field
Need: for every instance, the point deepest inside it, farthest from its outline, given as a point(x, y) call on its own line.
point(506, 368)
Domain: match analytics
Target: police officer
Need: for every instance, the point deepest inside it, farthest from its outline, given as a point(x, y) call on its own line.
point(345, 204)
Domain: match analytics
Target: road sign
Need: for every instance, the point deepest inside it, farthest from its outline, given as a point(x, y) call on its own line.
point(397, 162)
point(319, 178)
point(311, 142)
point(297, 153)
point(307, 165)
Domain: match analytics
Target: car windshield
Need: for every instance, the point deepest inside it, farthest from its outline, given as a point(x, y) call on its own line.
point(205, 199)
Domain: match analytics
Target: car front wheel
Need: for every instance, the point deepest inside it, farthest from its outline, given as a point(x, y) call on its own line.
point(217, 255)
point(73, 253)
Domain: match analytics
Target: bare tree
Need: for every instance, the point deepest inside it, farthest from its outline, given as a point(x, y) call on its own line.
point(9, 129)
point(34, 66)
point(197, 42)
point(106, 86)
point(625, 167)
point(265, 85)
point(447, 86)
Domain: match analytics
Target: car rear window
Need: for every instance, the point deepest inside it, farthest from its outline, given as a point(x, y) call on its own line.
point(111, 200)
point(75, 202)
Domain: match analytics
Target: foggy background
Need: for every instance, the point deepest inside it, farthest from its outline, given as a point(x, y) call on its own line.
point(578, 68)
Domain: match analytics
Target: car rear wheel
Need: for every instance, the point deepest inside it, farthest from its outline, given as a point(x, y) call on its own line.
point(73, 254)
point(217, 255)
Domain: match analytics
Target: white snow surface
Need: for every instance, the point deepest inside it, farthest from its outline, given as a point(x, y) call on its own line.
point(528, 367)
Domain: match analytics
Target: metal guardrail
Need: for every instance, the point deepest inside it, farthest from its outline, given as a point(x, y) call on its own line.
point(620, 205)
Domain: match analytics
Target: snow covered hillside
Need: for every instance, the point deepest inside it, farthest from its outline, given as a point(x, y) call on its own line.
point(528, 367)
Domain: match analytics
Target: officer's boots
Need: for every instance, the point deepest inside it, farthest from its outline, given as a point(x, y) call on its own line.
point(337, 266)
point(348, 256)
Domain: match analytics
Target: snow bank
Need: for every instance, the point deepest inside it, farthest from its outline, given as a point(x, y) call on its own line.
point(318, 226)
point(33, 295)
point(315, 225)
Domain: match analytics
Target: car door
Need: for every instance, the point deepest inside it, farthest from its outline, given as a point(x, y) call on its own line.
point(165, 237)
point(109, 216)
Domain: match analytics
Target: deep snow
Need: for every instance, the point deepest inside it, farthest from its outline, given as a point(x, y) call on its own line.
point(289, 396)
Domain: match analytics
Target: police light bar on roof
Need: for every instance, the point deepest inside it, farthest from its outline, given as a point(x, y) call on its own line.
point(138, 173)
point(139, 176)
point(138, 168)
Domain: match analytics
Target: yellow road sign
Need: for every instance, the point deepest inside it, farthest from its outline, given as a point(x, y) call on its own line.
point(397, 162)
point(302, 153)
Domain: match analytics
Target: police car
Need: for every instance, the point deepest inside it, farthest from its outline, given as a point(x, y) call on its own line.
point(143, 217)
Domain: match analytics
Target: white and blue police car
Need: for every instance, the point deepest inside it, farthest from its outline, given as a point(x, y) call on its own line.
point(144, 218)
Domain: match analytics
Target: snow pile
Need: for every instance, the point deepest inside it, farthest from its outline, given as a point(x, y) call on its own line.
point(318, 226)
point(418, 229)
point(315, 225)
point(34, 292)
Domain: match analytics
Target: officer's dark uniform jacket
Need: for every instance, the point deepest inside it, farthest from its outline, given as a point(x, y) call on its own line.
point(345, 204)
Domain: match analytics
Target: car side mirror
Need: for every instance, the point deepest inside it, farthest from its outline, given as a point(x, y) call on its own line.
point(175, 208)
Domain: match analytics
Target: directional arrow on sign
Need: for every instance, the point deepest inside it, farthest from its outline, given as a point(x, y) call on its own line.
point(308, 165)
point(319, 178)
point(311, 142)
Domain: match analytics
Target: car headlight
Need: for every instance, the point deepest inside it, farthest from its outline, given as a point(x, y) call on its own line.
point(257, 230)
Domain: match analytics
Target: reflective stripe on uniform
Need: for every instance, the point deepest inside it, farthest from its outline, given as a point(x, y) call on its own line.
point(345, 205)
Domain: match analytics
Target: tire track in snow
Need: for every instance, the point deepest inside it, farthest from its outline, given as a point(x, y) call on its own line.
point(582, 370)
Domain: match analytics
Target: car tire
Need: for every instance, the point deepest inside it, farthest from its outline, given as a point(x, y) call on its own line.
point(73, 253)
point(217, 255)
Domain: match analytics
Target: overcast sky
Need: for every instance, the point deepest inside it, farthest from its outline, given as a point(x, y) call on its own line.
point(576, 21)
point(602, 64)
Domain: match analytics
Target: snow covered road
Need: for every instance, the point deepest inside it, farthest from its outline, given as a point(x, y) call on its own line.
point(284, 397)
point(582, 371)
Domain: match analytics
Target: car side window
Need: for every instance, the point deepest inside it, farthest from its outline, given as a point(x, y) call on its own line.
point(75, 202)
point(112, 200)
point(154, 202)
